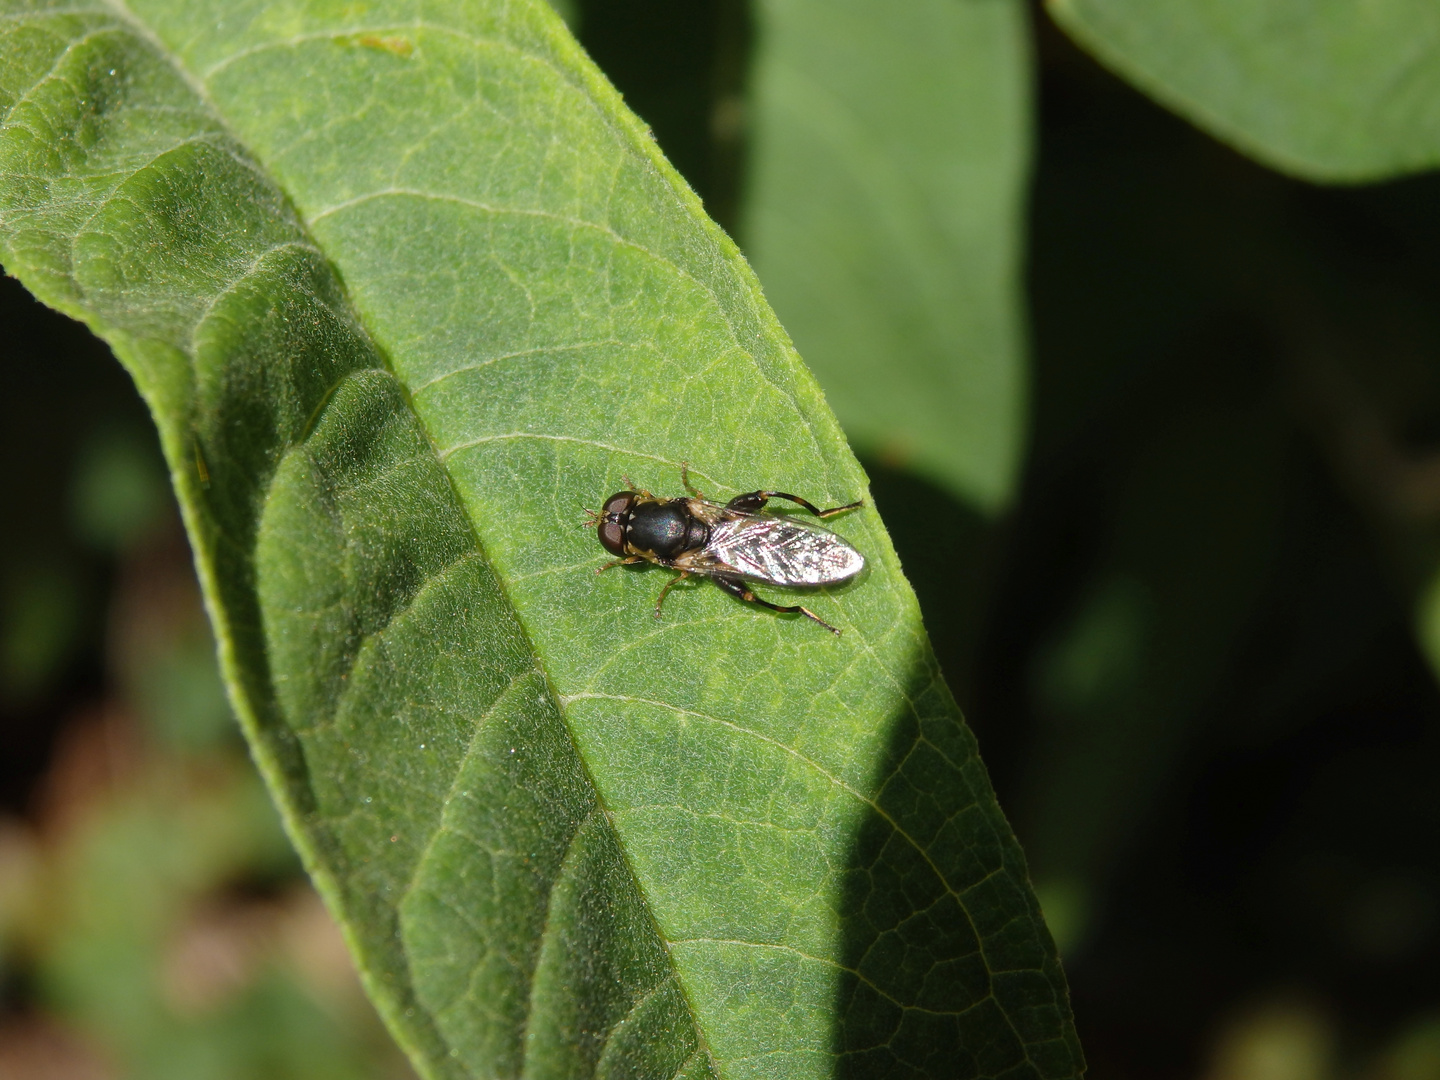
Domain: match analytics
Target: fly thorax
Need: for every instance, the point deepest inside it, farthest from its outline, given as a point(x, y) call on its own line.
point(661, 528)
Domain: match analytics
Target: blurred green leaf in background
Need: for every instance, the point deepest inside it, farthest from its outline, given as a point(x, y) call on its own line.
point(887, 168)
point(1331, 90)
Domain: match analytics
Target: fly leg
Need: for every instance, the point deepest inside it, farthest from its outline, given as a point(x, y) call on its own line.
point(629, 560)
point(685, 479)
point(630, 486)
point(753, 502)
point(736, 587)
point(668, 586)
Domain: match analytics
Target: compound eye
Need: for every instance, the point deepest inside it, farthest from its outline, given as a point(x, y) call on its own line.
point(617, 504)
point(612, 537)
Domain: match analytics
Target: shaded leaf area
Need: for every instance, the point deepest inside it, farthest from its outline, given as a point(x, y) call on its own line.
point(1330, 90)
point(564, 839)
point(884, 214)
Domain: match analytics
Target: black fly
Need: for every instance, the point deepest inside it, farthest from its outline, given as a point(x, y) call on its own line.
point(729, 543)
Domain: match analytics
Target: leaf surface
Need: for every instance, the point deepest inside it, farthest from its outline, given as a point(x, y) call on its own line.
point(1329, 90)
point(884, 216)
point(406, 287)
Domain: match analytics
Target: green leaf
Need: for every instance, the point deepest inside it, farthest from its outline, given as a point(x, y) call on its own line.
point(1329, 90)
point(888, 168)
point(406, 288)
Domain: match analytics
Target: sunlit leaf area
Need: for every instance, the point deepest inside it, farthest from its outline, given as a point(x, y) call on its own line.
point(324, 324)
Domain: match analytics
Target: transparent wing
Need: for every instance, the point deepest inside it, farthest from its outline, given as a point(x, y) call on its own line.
point(783, 552)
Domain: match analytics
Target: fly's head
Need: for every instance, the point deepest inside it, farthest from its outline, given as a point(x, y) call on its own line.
point(613, 520)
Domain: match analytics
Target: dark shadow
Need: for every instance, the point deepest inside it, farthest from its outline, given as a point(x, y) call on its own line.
point(949, 552)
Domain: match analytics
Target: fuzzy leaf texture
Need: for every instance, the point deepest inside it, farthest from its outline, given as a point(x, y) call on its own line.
point(885, 217)
point(406, 287)
point(1328, 90)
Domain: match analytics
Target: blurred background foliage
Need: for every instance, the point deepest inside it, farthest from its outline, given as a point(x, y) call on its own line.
point(1192, 638)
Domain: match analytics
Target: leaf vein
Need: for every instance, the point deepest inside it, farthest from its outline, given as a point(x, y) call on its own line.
point(608, 447)
point(60, 59)
point(249, 271)
point(538, 350)
point(635, 1007)
point(827, 962)
point(547, 924)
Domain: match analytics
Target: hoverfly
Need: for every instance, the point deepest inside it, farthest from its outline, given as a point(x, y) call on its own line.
point(729, 543)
